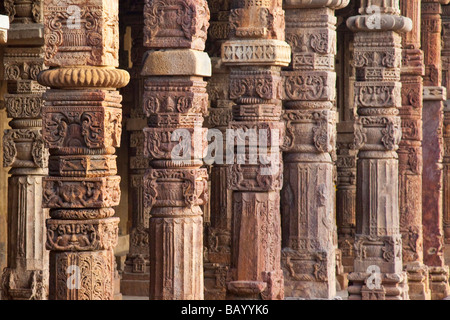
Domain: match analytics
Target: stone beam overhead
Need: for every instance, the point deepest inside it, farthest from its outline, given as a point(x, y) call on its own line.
point(82, 123)
point(377, 57)
point(175, 99)
point(255, 53)
point(308, 196)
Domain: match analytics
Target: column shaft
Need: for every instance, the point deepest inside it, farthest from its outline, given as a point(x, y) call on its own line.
point(377, 57)
point(175, 101)
point(255, 53)
point(308, 196)
point(26, 276)
point(433, 149)
point(82, 126)
point(410, 155)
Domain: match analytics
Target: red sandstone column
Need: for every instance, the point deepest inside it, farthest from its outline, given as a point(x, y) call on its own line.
point(433, 149)
point(410, 156)
point(26, 277)
point(255, 54)
point(82, 122)
point(175, 101)
point(308, 195)
point(377, 57)
point(446, 161)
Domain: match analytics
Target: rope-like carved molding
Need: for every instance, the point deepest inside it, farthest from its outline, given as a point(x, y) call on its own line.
point(84, 77)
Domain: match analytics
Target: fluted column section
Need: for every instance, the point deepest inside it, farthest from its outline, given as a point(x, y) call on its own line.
point(175, 101)
point(308, 196)
point(26, 276)
point(410, 155)
point(377, 57)
point(217, 241)
point(255, 54)
point(433, 149)
point(82, 123)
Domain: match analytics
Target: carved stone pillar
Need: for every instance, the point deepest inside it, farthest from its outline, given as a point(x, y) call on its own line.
point(82, 123)
point(255, 54)
point(175, 101)
point(26, 276)
point(377, 57)
point(136, 273)
point(433, 149)
point(345, 152)
point(446, 161)
point(218, 229)
point(410, 155)
point(308, 196)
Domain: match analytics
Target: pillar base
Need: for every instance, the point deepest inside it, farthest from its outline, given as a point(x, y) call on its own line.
point(309, 275)
point(393, 286)
point(271, 288)
point(136, 276)
point(24, 285)
point(418, 281)
point(439, 282)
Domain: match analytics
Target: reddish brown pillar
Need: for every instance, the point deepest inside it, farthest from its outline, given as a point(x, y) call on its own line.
point(433, 149)
point(378, 269)
point(175, 101)
point(446, 161)
point(410, 156)
point(82, 122)
point(255, 53)
point(308, 195)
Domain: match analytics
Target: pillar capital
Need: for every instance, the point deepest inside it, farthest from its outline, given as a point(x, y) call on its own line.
point(81, 33)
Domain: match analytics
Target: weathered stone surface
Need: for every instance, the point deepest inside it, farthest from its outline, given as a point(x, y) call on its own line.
point(217, 231)
point(411, 157)
point(175, 98)
point(433, 149)
point(135, 275)
point(26, 274)
point(82, 126)
point(177, 62)
point(80, 33)
point(378, 269)
point(446, 133)
point(308, 195)
point(254, 53)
